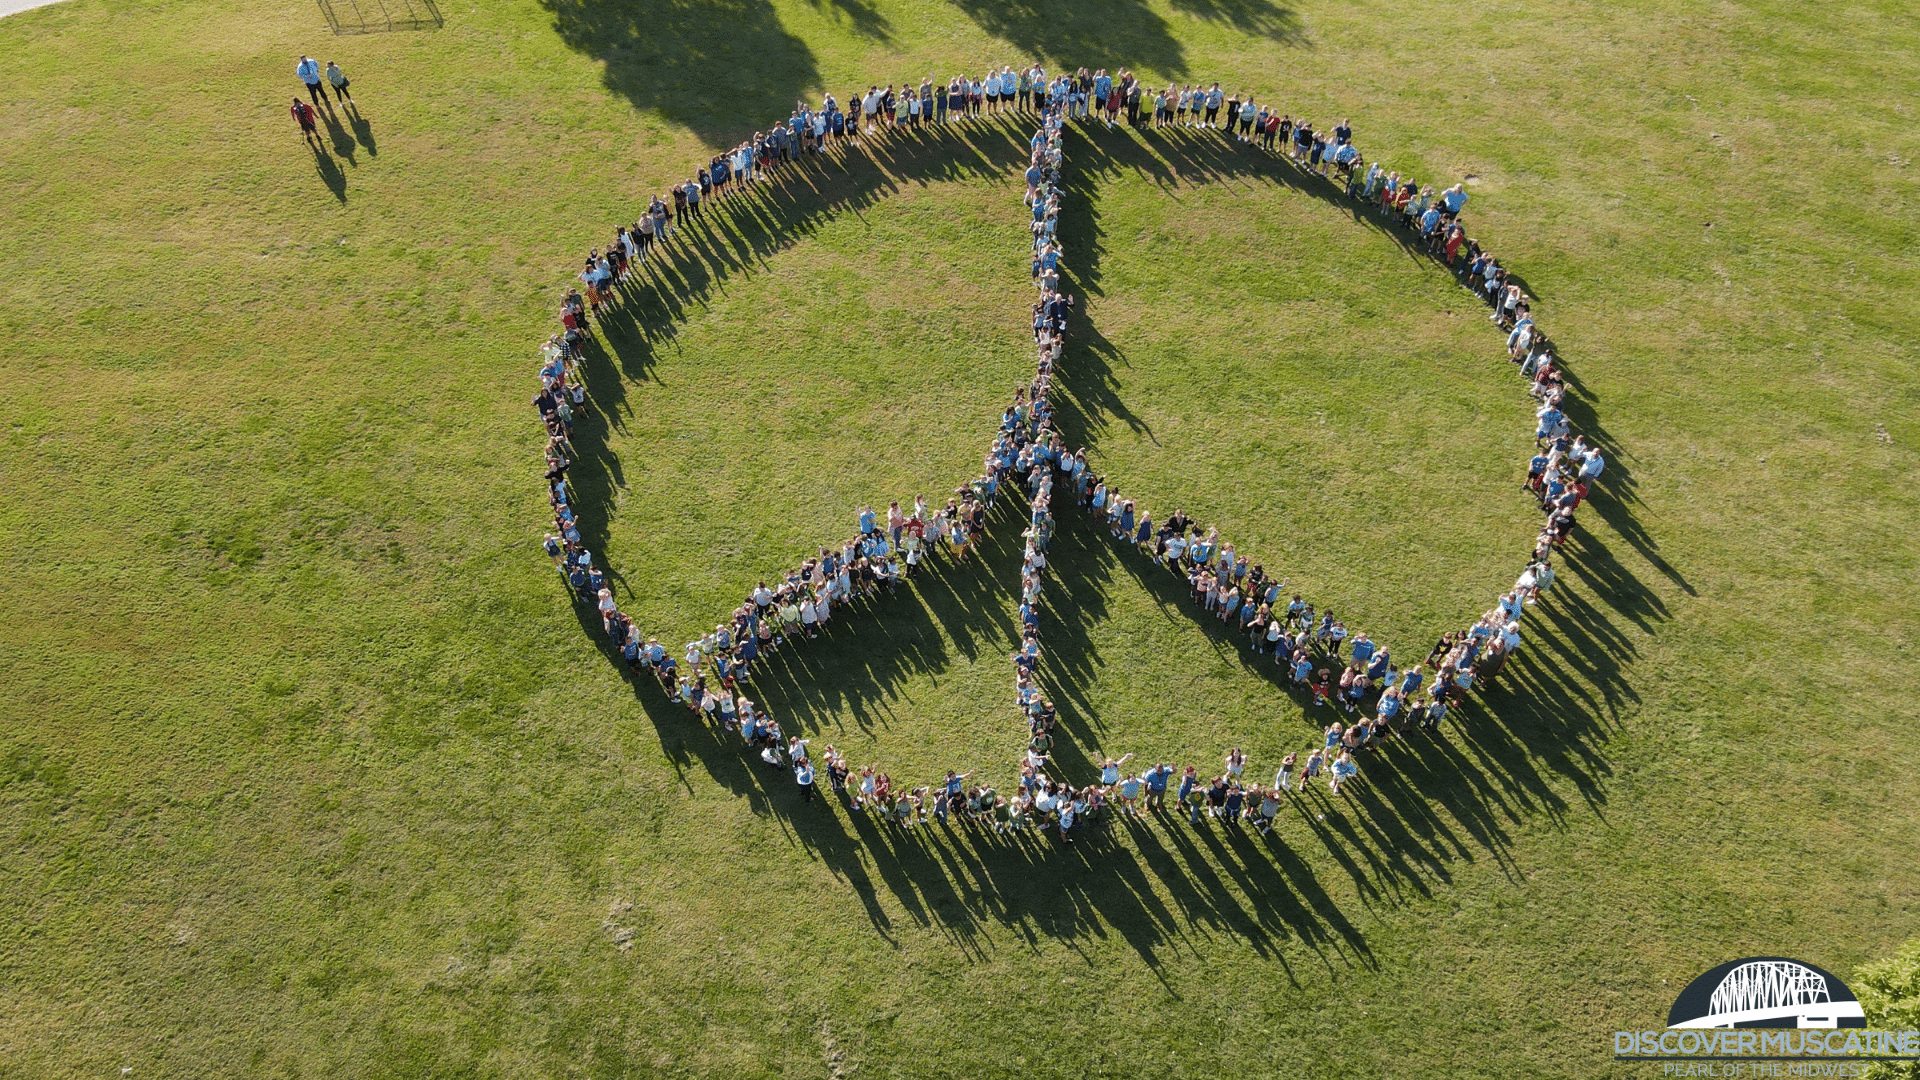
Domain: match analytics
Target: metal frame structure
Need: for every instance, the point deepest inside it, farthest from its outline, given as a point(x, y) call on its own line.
point(380, 16)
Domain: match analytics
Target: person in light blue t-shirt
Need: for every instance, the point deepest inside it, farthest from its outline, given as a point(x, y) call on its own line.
point(308, 70)
point(1362, 649)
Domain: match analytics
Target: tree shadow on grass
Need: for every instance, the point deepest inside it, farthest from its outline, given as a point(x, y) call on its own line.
point(1259, 18)
point(703, 64)
point(1124, 33)
point(1424, 803)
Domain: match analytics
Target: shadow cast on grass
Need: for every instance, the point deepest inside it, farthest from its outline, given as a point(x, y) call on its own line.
point(362, 130)
point(329, 172)
point(1425, 804)
point(343, 143)
point(702, 64)
point(1517, 743)
point(1125, 33)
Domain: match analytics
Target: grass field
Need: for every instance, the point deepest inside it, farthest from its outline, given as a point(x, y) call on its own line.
point(308, 767)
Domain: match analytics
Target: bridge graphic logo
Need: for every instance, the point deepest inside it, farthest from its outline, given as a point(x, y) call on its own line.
point(1766, 992)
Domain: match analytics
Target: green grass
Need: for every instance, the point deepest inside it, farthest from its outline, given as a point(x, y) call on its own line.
point(307, 768)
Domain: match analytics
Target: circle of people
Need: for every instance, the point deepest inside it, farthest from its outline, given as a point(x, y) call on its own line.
point(1372, 699)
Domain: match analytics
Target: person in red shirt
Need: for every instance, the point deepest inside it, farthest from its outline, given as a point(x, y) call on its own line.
point(303, 115)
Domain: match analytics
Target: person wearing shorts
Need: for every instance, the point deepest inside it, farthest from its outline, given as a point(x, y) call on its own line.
point(1156, 783)
point(303, 115)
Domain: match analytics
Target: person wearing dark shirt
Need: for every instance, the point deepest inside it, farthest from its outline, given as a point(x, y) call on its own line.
point(303, 115)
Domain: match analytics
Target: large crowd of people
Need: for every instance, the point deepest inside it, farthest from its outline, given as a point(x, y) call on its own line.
point(1369, 697)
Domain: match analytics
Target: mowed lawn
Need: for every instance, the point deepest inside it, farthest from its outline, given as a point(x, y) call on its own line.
point(309, 767)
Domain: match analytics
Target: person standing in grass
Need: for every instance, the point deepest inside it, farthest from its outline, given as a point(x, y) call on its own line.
point(1185, 795)
point(1343, 770)
point(308, 69)
point(1156, 781)
point(662, 223)
point(303, 115)
point(338, 80)
point(836, 771)
point(1216, 796)
point(1363, 649)
point(1269, 808)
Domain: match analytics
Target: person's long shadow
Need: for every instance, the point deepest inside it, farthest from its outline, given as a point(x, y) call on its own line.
point(343, 143)
point(1424, 803)
point(362, 130)
point(330, 172)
